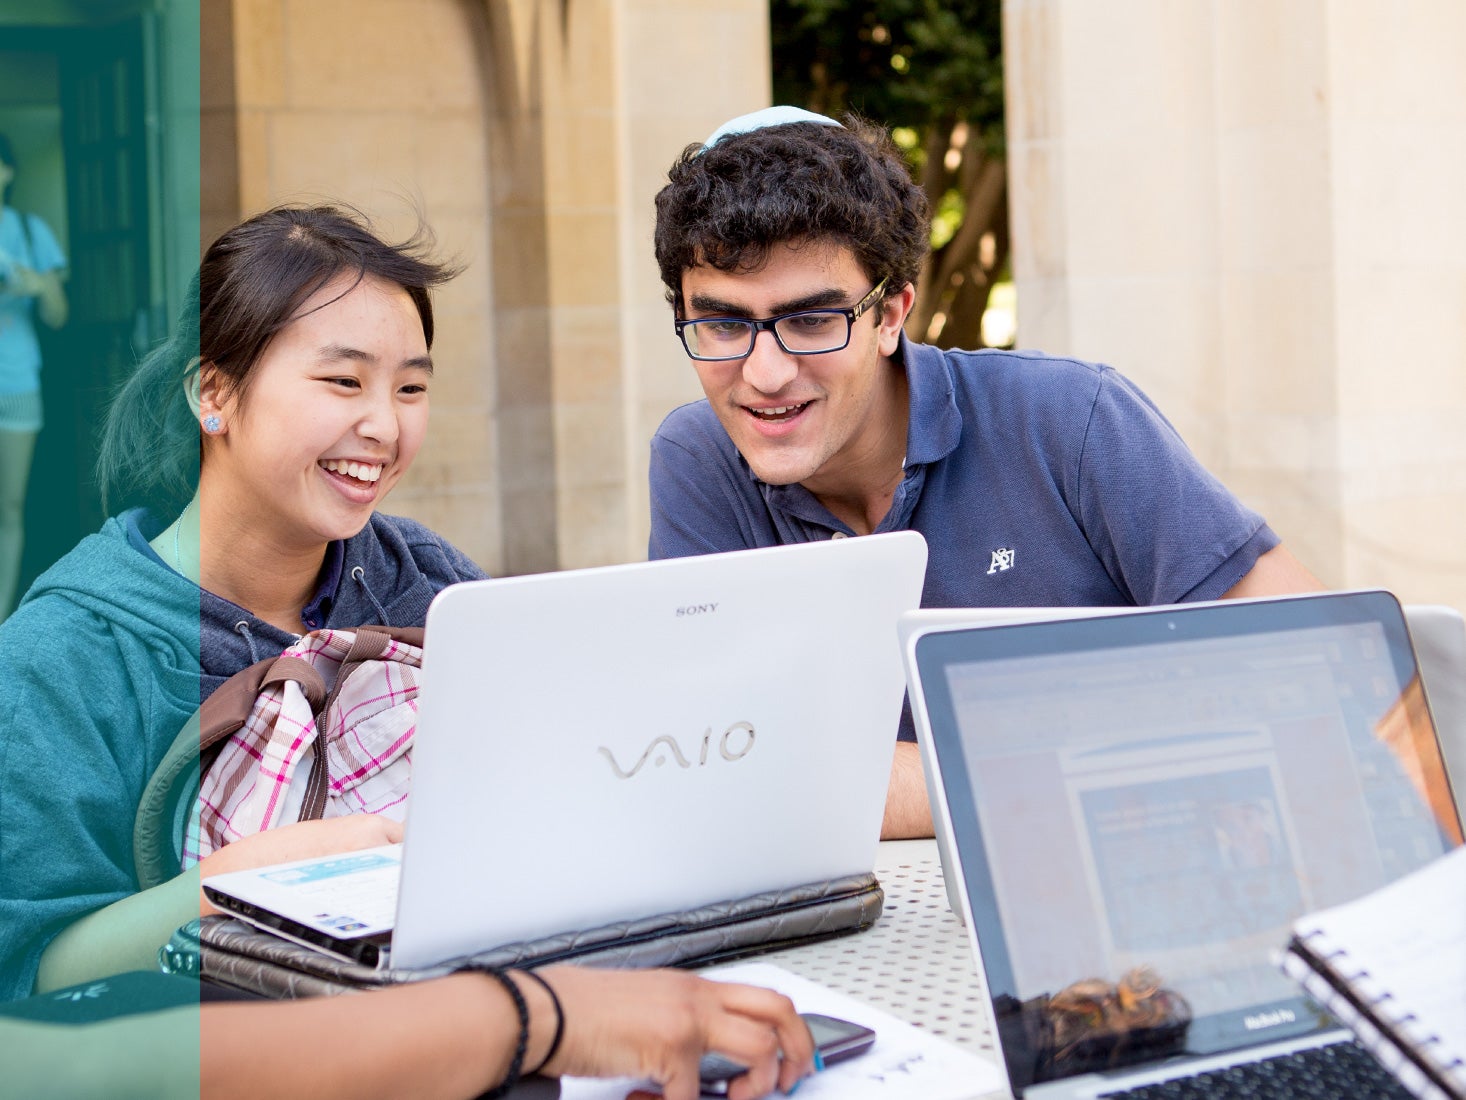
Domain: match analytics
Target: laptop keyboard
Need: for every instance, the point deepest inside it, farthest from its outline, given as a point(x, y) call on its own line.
point(1340, 1071)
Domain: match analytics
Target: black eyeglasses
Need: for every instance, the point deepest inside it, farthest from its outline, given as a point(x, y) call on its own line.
point(807, 332)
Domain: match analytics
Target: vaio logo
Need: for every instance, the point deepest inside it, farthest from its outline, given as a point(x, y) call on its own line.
point(735, 743)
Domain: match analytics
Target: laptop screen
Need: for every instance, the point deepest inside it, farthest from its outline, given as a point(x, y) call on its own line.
point(1143, 804)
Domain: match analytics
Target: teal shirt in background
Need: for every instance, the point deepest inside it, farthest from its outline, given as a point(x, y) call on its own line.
point(32, 245)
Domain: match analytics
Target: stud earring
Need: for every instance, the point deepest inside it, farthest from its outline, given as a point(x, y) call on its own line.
point(212, 424)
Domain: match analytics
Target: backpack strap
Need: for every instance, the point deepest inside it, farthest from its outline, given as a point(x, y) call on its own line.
point(25, 231)
point(161, 812)
point(167, 800)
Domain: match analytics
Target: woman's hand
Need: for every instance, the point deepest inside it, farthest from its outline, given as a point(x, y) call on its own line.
point(659, 1023)
point(25, 282)
point(45, 287)
point(302, 840)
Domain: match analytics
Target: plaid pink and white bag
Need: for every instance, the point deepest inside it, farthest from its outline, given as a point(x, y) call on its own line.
point(323, 730)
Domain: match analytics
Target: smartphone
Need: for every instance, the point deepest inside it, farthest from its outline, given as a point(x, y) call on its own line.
point(834, 1038)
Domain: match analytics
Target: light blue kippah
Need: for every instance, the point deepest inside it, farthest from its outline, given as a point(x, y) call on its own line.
point(769, 116)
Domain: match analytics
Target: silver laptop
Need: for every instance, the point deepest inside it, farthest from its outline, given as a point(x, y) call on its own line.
point(1141, 804)
point(927, 620)
point(1437, 633)
point(608, 744)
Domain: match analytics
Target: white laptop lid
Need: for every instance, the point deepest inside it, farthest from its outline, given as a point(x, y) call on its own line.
point(1169, 789)
point(609, 744)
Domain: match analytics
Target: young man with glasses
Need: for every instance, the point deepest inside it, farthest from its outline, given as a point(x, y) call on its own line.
point(790, 246)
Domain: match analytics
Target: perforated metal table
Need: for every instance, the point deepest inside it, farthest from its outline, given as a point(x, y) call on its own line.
point(915, 962)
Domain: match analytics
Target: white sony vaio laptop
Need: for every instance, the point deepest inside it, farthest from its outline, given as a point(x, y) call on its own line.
point(610, 744)
point(1140, 804)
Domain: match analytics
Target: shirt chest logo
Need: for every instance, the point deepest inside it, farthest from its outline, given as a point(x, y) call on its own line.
point(1003, 560)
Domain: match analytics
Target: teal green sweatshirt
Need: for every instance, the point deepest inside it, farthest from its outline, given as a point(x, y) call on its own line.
point(100, 667)
point(99, 671)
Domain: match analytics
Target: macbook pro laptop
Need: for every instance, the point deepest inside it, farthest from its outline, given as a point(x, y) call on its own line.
point(929, 620)
point(609, 744)
point(1437, 635)
point(1140, 804)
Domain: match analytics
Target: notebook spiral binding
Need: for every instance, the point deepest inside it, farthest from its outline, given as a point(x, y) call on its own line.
point(1355, 1000)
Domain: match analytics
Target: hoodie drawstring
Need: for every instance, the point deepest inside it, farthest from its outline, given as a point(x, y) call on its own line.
point(358, 574)
point(242, 627)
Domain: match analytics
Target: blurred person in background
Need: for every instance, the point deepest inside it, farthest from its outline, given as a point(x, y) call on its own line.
point(32, 273)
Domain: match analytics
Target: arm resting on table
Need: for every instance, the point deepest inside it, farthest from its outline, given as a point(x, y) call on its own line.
point(908, 812)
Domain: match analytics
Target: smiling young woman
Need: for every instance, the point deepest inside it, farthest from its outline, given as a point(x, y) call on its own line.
point(250, 455)
point(300, 456)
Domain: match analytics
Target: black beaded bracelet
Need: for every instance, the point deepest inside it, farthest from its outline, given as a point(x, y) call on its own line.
point(559, 1020)
point(516, 1063)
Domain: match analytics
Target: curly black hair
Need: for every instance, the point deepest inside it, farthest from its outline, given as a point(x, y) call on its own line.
point(727, 205)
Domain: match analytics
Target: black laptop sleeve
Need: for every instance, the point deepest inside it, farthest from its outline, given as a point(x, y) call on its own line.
point(240, 956)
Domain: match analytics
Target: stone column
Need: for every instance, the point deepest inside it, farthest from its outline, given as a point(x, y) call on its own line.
point(380, 104)
point(1249, 208)
point(624, 86)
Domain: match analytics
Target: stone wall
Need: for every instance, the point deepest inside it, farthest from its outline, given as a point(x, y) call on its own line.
point(532, 136)
point(1248, 208)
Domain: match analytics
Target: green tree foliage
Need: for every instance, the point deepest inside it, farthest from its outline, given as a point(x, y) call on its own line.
point(933, 71)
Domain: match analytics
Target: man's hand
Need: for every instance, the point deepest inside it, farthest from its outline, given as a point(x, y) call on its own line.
point(908, 813)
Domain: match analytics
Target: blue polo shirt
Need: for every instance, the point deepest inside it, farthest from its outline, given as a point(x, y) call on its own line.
point(1037, 481)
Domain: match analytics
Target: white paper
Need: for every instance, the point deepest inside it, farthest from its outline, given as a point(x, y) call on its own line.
point(904, 1062)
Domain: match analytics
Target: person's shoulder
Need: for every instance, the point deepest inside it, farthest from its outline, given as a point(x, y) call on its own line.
point(94, 565)
point(692, 422)
point(107, 583)
point(52, 614)
point(45, 249)
point(1032, 371)
point(39, 226)
point(1016, 388)
point(408, 540)
point(692, 433)
point(60, 633)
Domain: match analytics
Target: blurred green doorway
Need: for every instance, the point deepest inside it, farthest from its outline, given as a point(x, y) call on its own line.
point(84, 94)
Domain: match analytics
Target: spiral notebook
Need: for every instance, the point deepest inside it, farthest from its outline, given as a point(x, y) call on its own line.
point(1392, 966)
